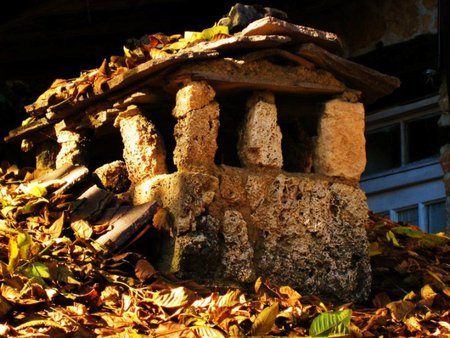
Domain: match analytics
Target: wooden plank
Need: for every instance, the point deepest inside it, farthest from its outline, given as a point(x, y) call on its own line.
point(128, 225)
point(234, 43)
point(372, 83)
point(299, 34)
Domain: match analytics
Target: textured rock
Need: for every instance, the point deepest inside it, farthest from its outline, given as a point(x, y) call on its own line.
point(73, 147)
point(197, 127)
point(144, 152)
point(113, 176)
point(303, 230)
point(46, 153)
point(187, 196)
point(340, 148)
point(237, 257)
point(260, 138)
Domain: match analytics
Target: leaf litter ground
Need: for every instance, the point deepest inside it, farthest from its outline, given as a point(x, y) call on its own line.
point(56, 281)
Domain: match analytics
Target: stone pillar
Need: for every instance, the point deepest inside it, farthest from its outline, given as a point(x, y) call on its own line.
point(46, 153)
point(144, 151)
point(340, 147)
point(444, 128)
point(73, 144)
point(260, 137)
point(197, 127)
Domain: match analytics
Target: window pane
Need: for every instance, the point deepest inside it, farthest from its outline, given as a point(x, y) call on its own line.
point(383, 149)
point(410, 215)
point(437, 217)
point(423, 138)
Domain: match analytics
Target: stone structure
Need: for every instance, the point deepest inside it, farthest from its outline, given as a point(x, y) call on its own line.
point(233, 223)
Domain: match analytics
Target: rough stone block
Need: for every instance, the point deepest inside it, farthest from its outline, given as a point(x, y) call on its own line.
point(340, 147)
point(303, 230)
point(260, 138)
point(144, 151)
point(194, 95)
point(186, 195)
point(307, 231)
point(113, 176)
point(73, 148)
point(196, 138)
point(46, 153)
point(237, 257)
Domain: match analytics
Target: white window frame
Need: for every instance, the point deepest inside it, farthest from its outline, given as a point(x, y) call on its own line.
point(402, 115)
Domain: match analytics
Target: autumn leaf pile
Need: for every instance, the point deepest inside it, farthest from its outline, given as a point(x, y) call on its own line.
point(56, 281)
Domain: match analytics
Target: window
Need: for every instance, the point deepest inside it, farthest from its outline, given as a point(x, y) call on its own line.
point(436, 217)
point(430, 217)
point(409, 215)
point(422, 138)
point(401, 143)
point(383, 149)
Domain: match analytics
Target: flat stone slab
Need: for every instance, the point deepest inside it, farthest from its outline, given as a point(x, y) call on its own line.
point(128, 224)
point(95, 200)
point(233, 74)
point(372, 83)
point(299, 34)
point(243, 42)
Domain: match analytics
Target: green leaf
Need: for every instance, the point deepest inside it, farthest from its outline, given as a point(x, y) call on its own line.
point(35, 189)
point(36, 270)
point(209, 33)
point(264, 322)
point(390, 236)
point(25, 243)
point(331, 324)
point(407, 231)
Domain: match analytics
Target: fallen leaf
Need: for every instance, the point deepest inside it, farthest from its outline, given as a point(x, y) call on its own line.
point(400, 309)
point(144, 270)
point(265, 320)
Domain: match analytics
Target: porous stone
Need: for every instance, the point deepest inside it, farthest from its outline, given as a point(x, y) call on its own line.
point(73, 148)
point(113, 176)
point(237, 257)
point(187, 195)
point(46, 153)
point(194, 95)
point(260, 137)
point(340, 147)
point(305, 231)
point(144, 151)
point(196, 129)
point(302, 230)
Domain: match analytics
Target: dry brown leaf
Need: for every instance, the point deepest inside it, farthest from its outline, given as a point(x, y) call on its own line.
point(144, 270)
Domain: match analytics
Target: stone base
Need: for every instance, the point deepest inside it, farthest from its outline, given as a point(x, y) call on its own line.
point(301, 230)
